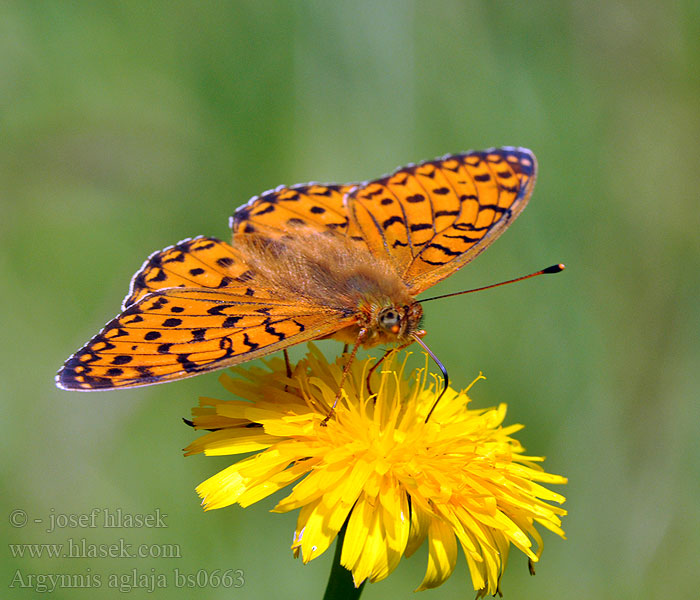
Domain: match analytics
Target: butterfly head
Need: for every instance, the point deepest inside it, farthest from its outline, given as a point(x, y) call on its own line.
point(398, 323)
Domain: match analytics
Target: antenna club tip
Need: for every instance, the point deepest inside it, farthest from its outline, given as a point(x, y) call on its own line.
point(554, 268)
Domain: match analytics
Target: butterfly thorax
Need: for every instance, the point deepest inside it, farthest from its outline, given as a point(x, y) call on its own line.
point(331, 271)
point(325, 270)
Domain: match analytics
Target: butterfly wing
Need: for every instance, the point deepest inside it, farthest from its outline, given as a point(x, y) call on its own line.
point(201, 262)
point(277, 213)
point(193, 307)
point(431, 219)
point(180, 332)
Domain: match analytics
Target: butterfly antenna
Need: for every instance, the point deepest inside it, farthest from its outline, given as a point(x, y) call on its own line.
point(441, 367)
point(553, 269)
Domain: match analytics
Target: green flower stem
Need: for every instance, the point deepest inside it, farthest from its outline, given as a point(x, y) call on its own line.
point(340, 585)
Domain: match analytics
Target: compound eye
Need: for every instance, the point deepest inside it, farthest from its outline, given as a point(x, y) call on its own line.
point(390, 319)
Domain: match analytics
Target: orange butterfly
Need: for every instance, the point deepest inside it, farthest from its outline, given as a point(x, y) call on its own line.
point(307, 262)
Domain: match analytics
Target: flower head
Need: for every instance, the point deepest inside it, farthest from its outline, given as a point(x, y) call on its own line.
point(379, 468)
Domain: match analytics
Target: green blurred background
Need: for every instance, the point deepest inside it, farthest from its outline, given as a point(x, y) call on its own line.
point(128, 126)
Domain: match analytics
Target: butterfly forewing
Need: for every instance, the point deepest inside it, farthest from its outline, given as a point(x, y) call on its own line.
point(431, 219)
point(179, 332)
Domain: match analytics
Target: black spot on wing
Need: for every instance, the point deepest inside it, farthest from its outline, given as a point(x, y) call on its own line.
point(216, 310)
point(447, 213)
point(122, 359)
point(251, 345)
point(158, 304)
point(494, 207)
point(187, 364)
point(159, 275)
point(226, 344)
point(272, 331)
point(145, 372)
point(178, 256)
point(391, 220)
point(370, 195)
point(464, 238)
point(134, 319)
point(197, 245)
point(270, 207)
point(245, 276)
point(172, 322)
point(444, 250)
point(230, 322)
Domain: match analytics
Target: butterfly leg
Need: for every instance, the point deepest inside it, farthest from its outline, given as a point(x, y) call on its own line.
point(346, 369)
point(289, 368)
point(287, 363)
point(345, 348)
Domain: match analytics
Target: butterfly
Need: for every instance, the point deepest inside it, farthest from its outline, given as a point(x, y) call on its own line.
point(307, 262)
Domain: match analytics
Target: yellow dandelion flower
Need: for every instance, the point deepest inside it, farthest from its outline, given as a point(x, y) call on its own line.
point(379, 469)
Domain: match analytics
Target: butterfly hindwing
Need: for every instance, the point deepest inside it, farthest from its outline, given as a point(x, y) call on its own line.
point(198, 262)
point(180, 332)
point(431, 219)
point(279, 212)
